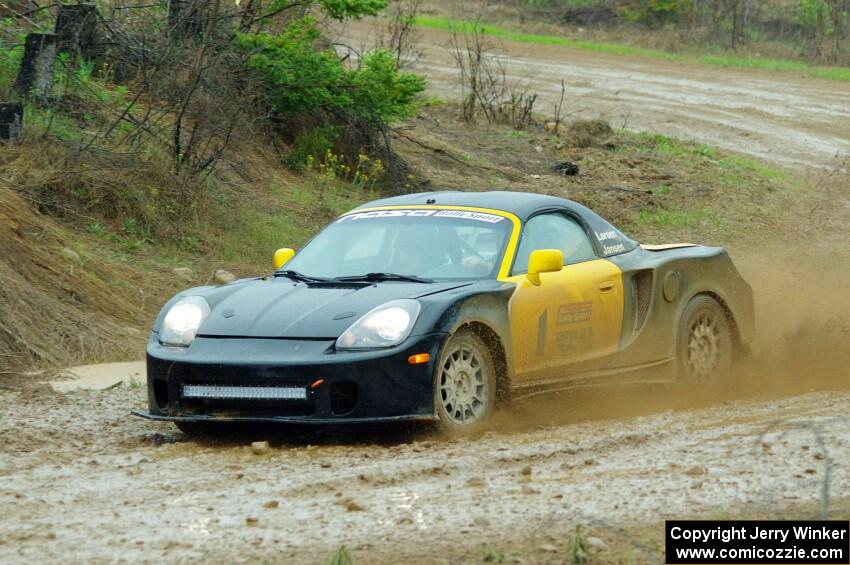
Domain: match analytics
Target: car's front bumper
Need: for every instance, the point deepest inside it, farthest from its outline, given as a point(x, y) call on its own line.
point(362, 386)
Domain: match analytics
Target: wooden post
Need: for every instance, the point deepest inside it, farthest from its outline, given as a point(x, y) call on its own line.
point(11, 121)
point(76, 30)
point(35, 76)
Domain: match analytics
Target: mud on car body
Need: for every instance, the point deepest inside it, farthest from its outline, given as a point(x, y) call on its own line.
point(438, 306)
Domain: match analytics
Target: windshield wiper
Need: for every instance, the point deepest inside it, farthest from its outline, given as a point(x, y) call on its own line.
point(296, 276)
point(378, 277)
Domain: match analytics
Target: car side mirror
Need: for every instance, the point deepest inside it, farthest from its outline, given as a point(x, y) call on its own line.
point(544, 261)
point(282, 257)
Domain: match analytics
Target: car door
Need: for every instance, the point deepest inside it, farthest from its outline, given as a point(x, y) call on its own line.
point(570, 323)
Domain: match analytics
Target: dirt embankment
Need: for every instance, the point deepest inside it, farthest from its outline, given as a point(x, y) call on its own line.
point(52, 300)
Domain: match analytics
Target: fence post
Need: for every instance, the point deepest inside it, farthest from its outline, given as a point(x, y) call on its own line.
point(11, 121)
point(35, 76)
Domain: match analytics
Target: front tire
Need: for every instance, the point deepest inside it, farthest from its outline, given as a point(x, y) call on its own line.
point(705, 344)
point(464, 384)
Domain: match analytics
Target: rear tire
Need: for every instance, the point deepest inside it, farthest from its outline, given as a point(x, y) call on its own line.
point(705, 348)
point(464, 384)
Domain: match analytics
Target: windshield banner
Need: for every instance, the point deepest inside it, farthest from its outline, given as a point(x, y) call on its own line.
point(458, 214)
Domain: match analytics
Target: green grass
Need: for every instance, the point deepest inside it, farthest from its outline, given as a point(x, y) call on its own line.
point(261, 230)
point(733, 162)
point(730, 61)
point(41, 121)
point(447, 24)
point(490, 554)
point(670, 146)
point(733, 168)
point(341, 557)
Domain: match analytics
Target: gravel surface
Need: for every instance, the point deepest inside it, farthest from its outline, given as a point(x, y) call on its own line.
point(81, 479)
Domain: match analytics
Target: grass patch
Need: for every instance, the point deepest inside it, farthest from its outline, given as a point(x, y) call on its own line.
point(578, 547)
point(263, 229)
point(670, 146)
point(732, 162)
point(40, 121)
point(780, 65)
point(733, 168)
point(341, 557)
point(729, 61)
point(448, 24)
point(490, 554)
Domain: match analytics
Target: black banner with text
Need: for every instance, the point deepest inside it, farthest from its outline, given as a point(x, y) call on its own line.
point(743, 542)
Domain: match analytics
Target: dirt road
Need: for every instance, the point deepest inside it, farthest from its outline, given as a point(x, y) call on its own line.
point(111, 488)
point(783, 118)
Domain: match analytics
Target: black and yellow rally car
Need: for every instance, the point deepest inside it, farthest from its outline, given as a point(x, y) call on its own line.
point(438, 306)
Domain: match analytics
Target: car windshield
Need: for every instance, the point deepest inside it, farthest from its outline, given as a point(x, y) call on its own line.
point(427, 244)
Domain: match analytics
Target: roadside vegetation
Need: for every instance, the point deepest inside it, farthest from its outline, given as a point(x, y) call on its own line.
point(817, 29)
point(688, 54)
point(198, 140)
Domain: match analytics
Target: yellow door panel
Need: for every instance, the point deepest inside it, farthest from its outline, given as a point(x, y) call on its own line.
point(569, 323)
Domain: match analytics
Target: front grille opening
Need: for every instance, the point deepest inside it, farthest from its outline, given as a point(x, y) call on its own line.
point(343, 398)
point(160, 393)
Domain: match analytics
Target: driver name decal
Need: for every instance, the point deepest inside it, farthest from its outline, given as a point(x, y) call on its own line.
point(461, 214)
point(612, 249)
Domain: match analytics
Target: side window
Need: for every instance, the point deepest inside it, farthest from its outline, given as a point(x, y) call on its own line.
point(553, 231)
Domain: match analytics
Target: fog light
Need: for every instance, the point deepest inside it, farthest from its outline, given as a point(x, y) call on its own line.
point(224, 392)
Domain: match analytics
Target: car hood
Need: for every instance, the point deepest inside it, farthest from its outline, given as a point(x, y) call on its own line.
point(280, 308)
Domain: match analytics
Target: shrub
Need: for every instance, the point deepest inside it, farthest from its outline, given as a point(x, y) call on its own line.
point(299, 75)
point(382, 94)
point(302, 75)
point(652, 13)
point(342, 9)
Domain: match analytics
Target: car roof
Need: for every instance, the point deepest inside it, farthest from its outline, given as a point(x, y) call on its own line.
point(609, 240)
point(521, 204)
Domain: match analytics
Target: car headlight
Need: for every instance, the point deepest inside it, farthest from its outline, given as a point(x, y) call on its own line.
point(183, 320)
point(385, 326)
